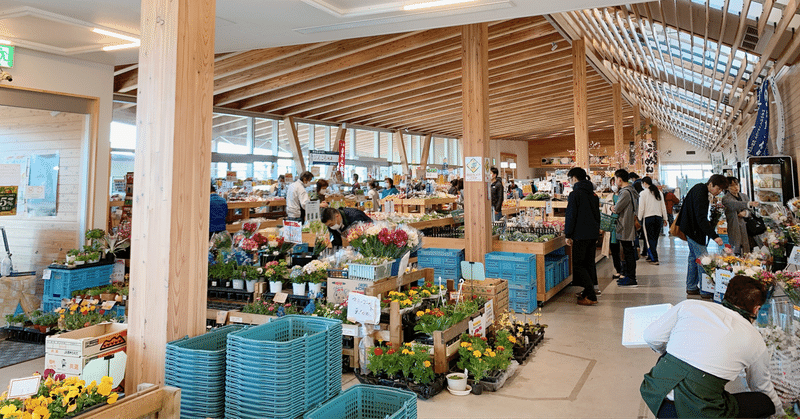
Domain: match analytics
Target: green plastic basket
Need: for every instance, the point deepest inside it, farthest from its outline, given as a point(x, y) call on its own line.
point(608, 222)
point(368, 402)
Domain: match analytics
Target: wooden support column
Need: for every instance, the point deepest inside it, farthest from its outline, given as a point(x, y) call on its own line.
point(400, 144)
point(637, 140)
point(619, 140)
point(294, 143)
point(426, 151)
point(475, 97)
point(169, 262)
point(581, 117)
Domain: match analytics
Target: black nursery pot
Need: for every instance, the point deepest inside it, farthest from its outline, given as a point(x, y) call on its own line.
point(477, 388)
point(779, 263)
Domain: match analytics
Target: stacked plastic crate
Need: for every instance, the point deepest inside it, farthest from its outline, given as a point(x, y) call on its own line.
point(197, 366)
point(556, 266)
point(283, 368)
point(365, 401)
point(446, 263)
point(519, 269)
point(63, 282)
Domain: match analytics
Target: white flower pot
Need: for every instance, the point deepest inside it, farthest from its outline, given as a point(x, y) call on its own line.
point(70, 259)
point(315, 288)
point(251, 285)
point(299, 289)
point(80, 262)
point(275, 286)
point(457, 384)
point(238, 284)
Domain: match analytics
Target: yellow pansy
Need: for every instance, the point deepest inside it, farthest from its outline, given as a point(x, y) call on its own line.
point(427, 364)
point(8, 410)
point(107, 380)
point(407, 344)
point(420, 313)
point(411, 352)
point(464, 344)
point(104, 389)
point(512, 339)
point(113, 398)
point(405, 351)
point(425, 293)
point(73, 307)
point(412, 292)
point(41, 412)
point(492, 354)
point(477, 354)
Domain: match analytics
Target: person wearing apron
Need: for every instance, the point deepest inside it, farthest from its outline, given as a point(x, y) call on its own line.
point(703, 345)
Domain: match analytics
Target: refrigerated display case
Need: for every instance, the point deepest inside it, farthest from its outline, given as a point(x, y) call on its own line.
point(772, 179)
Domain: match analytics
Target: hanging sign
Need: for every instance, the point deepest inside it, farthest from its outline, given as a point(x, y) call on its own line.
point(292, 231)
point(8, 200)
point(324, 158)
point(473, 169)
point(6, 56)
point(431, 173)
point(363, 309)
point(341, 156)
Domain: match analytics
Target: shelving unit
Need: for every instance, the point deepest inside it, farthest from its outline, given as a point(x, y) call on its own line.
point(540, 250)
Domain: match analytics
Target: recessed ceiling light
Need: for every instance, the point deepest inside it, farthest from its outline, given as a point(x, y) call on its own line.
point(115, 35)
point(121, 46)
point(437, 3)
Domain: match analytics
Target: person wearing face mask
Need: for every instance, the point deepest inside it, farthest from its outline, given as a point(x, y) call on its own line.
point(297, 198)
point(388, 188)
point(704, 345)
point(280, 187)
point(737, 207)
point(322, 190)
point(338, 220)
point(613, 246)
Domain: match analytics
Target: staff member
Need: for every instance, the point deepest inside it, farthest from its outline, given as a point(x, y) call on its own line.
point(388, 188)
point(338, 220)
point(703, 345)
point(217, 214)
point(297, 198)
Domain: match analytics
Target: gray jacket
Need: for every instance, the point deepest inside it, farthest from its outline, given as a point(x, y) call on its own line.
point(737, 228)
point(626, 208)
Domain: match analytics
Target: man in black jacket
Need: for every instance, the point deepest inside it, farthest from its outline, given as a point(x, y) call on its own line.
point(693, 222)
point(497, 194)
point(338, 220)
point(582, 228)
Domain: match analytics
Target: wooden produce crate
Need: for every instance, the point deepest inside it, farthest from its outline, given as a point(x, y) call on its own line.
point(490, 289)
point(443, 352)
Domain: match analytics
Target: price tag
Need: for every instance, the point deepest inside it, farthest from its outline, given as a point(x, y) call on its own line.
point(794, 257)
point(476, 326)
point(21, 388)
point(280, 297)
point(548, 207)
point(108, 305)
point(222, 317)
point(46, 274)
point(488, 312)
point(236, 320)
point(363, 309)
point(8, 200)
point(293, 231)
point(388, 206)
point(721, 280)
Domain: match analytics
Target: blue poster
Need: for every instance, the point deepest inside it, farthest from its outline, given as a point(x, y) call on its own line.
point(759, 138)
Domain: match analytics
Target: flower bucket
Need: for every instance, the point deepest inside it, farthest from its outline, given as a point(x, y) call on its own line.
point(251, 285)
point(457, 381)
point(315, 288)
point(275, 286)
point(238, 284)
point(299, 289)
point(779, 263)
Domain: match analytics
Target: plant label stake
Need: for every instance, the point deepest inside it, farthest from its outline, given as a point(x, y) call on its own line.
point(460, 288)
point(441, 294)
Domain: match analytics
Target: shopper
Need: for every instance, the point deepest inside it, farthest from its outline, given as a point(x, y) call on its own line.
point(514, 191)
point(613, 245)
point(297, 198)
point(704, 345)
point(388, 188)
point(356, 185)
point(634, 179)
point(453, 187)
point(693, 222)
point(670, 200)
point(625, 208)
point(737, 207)
point(321, 191)
point(581, 228)
point(280, 187)
point(497, 194)
point(338, 220)
point(653, 214)
point(218, 213)
point(374, 195)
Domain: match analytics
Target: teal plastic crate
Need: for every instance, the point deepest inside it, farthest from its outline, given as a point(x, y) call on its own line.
point(516, 268)
point(446, 263)
point(368, 402)
point(63, 282)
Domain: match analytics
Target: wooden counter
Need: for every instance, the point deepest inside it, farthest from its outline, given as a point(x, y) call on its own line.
point(540, 250)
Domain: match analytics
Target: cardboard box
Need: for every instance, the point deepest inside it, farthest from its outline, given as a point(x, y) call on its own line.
point(339, 288)
point(93, 368)
point(101, 338)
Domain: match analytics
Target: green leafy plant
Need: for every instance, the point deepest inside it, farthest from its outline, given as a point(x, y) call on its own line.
point(412, 361)
point(73, 252)
point(276, 271)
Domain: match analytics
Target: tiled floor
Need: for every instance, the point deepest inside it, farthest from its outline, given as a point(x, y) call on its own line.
point(580, 371)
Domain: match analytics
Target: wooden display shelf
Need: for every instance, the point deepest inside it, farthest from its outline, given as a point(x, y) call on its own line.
point(420, 205)
point(510, 211)
point(443, 243)
point(247, 206)
point(235, 228)
point(545, 296)
point(541, 204)
point(442, 222)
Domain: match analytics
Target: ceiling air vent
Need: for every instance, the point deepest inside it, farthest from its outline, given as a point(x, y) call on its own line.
point(750, 39)
point(690, 152)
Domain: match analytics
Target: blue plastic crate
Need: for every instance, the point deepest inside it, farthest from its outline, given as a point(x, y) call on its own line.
point(49, 304)
point(516, 268)
point(63, 282)
point(558, 252)
point(526, 307)
point(550, 276)
point(365, 401)
point(564, 268)
point(446, 263)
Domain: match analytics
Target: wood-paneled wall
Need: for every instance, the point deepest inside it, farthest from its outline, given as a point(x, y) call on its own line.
point(560, 146)
point(36, 241)
point(789, 87)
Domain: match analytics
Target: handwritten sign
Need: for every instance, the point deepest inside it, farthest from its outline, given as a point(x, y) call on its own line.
point(794, 257)
point(363, 309)
point(21, 388)
point(292, 231)
point(8, 200)
point(46, 273)
point(108, 305)
point(222, 317)
point(280, 297)
point(476, 326)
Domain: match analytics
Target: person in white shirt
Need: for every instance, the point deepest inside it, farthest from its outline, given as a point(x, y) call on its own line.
point(374, 195)
point(297, 198)
point(703, 345)
point(653, 214)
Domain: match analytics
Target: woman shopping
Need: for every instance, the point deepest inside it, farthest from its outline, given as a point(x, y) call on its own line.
point(736, 211)
point(653, 214)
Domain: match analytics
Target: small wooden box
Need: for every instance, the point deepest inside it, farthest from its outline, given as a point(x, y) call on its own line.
point(490, 289)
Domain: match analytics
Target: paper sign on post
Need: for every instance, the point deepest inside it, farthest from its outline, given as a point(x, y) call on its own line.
point(293, 231)
point(488, 312)
point(721, 284)
point(21, 388)
point(476, 326)
point(312, 211)
point(363, 309)
point(794, 257)
point(473, 169)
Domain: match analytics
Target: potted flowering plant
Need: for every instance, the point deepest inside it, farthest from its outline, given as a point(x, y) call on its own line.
point(410, 363)
point(298, 281)
point(81, 259)
point(791, 284)
point(71, 255)
point(384, 240)
point(269, 308)
point(276, 272)
point(59, 397)
point(316, 272)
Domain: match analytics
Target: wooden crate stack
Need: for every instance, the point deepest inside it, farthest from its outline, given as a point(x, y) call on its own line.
point(490, 289)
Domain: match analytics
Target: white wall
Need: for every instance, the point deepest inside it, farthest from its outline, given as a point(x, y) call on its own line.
point(520, 148)
point(54, 73)
point(672, 149)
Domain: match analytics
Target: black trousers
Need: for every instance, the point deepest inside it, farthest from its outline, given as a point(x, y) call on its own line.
point(583, 266)
point(616, 257)
point(629, 265)
point(751, 405)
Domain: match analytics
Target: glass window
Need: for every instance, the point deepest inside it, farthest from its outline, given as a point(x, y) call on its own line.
point(229, 134)
point(219, 169)
point(262, 170)
point(284, 150)
point(365, 143)
point(386, 149)
point(243, 170)
point(262, 143)
point(123, 126)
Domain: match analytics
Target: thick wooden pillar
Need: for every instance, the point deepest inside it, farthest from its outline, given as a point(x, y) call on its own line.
point(169, 262)
point(426, 151)
point(581, 117)
point(637, 140)
point(400, 144)
point(619, 135)
point(475, 105)
point(294, 142)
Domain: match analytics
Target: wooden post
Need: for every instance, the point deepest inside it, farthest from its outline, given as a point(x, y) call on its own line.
point(426, 151)
point(619, 134)
point(395, 324)
point(581, 117)
point(637, 140)
point(294, 143)
point(401, 149)
point(173, 163)
point(475, 108)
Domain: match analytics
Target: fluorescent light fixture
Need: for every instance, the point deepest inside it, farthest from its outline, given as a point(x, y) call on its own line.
point(437, 3)
point(121, 46)
point(115, 35)
point(5, 42)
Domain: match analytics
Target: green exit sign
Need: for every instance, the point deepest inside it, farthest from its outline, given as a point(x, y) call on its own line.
point(6, 56)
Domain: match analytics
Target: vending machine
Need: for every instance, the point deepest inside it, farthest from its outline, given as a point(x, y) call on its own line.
point(772, 179)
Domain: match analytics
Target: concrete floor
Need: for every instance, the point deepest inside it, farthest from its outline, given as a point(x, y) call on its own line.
point(581, 370)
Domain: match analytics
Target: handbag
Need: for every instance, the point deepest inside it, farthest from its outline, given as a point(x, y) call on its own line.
point(755, 225)
point(675, 230)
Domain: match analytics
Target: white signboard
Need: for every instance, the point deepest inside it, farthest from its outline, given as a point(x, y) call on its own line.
point(721, 284)
point(9, 174)
point(636, 320)
point(707, 285)
point(21, 388)
point(363, 309)
point(488, 312)
point(118, 274)
point(312, 211)
point(292, 231)
point(548, 207)
point(431, 173)
point(473, 169)
point(476, 326)
point(794, 257)
point(327, 158)
point(388, 206)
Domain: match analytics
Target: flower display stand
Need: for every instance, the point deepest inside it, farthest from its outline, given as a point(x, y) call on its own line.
point(149, 401)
